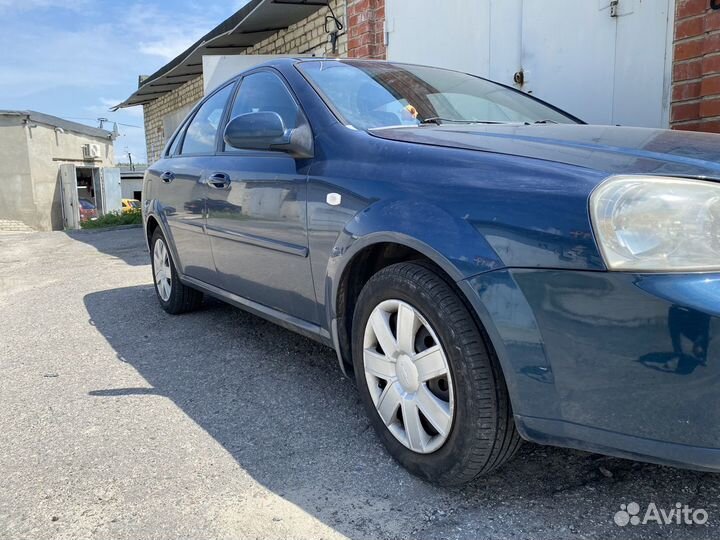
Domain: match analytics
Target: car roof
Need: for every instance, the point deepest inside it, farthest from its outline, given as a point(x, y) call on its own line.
point(291, 61)
point(288, 62)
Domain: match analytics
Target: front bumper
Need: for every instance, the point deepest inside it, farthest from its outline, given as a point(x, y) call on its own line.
point(623, 364)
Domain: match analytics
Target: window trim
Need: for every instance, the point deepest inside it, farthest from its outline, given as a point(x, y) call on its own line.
point(179, 132)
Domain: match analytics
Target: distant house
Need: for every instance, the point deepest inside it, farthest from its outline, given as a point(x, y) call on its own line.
point(131, 181)
point(34, 149)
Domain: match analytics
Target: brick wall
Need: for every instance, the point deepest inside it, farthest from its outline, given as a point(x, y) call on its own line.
point(305, 37)
point(155, 111)
point(366, 29)
point(696, 67)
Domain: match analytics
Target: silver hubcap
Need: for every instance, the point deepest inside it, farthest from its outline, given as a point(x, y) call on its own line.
point(161, 267)
point(408, 376)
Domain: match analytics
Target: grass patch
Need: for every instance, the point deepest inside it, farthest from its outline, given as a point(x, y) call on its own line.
point(114, 219)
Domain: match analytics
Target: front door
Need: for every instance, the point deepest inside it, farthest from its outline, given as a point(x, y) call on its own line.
point(256, 211)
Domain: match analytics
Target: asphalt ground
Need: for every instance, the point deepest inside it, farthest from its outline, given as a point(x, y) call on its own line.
point(120, 421)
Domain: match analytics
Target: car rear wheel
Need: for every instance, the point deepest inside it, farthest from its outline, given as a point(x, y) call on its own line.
point(433, 390)
point(174, 297)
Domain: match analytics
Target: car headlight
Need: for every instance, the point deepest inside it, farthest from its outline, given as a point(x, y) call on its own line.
point(656, 224)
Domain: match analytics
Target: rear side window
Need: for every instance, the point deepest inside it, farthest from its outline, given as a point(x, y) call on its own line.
point(202, 131)
point(175, 146)
point(264, 91)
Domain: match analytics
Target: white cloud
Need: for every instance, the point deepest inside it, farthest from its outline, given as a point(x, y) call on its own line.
point(166, 48)
point(180, 30)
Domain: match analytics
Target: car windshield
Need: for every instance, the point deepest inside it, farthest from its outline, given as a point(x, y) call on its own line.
point(369, 95)
point(87, 205)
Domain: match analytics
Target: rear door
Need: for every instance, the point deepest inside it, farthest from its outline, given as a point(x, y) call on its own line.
point(257, 210)
point(177, 182)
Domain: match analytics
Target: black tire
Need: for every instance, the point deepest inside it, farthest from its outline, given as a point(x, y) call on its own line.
point(483, 434)
point(182, 298)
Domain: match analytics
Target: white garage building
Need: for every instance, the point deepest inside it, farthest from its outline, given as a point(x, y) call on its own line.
point(605, 62)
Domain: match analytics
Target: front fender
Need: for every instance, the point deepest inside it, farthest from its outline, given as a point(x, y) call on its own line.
point(451, 243)
point(462, 253)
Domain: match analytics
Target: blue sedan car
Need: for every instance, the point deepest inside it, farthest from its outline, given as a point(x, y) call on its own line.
point(488, 267)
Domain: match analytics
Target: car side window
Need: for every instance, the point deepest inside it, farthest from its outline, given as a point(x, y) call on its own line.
point(202, 130)
point(264, 91)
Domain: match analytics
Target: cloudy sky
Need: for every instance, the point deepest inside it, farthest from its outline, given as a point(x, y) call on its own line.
point(77, 58)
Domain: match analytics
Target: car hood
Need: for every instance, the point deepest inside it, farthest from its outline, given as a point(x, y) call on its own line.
point(614, 149)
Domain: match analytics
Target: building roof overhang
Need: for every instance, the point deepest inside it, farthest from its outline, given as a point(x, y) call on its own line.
point(256, 21)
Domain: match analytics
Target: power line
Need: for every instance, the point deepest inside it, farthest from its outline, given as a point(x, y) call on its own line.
point(95, 120)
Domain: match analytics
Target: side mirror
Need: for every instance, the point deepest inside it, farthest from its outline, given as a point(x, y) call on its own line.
point(265, 130)
point(255, 130)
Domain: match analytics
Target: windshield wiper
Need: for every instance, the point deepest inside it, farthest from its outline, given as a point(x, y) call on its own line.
point(439, 120)
point(545, 121)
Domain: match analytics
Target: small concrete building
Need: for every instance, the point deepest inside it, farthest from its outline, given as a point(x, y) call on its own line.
point(34, 149)
point(131, 182)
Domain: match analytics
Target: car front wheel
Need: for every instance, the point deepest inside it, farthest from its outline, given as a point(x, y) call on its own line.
point(433, 391)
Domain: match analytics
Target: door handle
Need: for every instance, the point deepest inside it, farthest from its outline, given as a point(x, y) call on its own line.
point(219, 180)
point(167, 176)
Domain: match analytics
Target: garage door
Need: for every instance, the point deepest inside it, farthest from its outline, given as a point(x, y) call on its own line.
point(607, 62)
